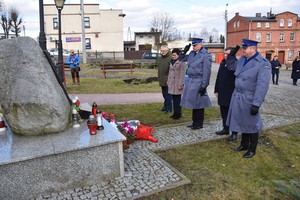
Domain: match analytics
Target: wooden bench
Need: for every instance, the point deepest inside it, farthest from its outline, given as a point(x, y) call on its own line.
point(116, 66)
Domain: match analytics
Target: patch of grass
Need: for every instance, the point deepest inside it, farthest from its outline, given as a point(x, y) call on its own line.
point(217, 172)
point(150, 114)
point(109, 86)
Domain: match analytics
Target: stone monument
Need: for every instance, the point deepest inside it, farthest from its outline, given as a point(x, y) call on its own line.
point(31, 99)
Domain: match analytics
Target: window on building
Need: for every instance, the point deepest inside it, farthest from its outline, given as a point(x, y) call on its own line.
point(149, 36)
point(55, 23)
point(291, 55)
point(238, 24)
point(258, 25)
point(258, 37)
point(292, 36)
point(268, 37)
point(87, 23)
point(267, 25)
point(281, 37)
point(290, 22)
point(281, 24)
point(141, 36)
point(234, 24)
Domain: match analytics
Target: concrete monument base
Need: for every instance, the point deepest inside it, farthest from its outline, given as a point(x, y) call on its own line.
point(45, 164)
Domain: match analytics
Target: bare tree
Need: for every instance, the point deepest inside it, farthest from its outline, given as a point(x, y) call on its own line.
point(5, 23)
point(204, 34)
point(214, 35)
point(165, 23)
point(15, 21)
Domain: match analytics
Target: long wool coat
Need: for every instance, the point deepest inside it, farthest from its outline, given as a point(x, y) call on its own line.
point(224, 85)
point(199, 70)
point(251, 86)
point(296, 66)
point(176, 78)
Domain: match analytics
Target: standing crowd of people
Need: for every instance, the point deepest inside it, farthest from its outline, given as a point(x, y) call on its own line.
point(241, 87)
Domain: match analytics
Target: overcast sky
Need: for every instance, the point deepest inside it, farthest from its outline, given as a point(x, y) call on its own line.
point(191, 16)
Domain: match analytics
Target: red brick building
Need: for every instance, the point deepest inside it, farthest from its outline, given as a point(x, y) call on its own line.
point(278, 34)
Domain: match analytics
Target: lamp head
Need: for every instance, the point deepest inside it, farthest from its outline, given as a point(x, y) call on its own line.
point(59, 4)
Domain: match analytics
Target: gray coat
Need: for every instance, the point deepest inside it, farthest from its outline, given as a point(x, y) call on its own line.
point(176, 78)
point(199, 70)
point(251, 86)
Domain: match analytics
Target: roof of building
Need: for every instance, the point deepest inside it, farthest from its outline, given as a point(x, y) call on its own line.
point(147, 33)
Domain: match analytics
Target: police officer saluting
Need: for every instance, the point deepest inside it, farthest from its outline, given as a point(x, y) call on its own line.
point(253, 74)
point(194, 93)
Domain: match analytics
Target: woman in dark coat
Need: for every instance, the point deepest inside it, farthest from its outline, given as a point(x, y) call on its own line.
point(296, 70)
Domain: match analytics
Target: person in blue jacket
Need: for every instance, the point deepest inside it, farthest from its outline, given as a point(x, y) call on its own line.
point(253, 74)
point(73, 60)
point(194, 93)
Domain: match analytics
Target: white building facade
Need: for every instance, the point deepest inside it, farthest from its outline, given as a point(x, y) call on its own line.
point(103, 27)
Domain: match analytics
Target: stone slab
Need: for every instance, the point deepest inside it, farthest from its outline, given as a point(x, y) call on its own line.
point(52, 163)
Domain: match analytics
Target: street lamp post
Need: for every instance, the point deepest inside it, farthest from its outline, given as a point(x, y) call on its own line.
point(59, 5)
point(42, 36)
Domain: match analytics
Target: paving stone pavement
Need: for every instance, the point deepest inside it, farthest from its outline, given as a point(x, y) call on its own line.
point(146, 173)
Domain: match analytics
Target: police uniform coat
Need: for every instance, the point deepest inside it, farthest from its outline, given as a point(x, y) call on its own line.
point(176, 78)
point(224, 85)
point(251, 86)
point(199, 70)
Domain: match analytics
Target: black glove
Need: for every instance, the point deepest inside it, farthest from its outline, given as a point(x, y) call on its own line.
point(254, 110)
point(186, 48)
point(202, 91)
point(234, 51)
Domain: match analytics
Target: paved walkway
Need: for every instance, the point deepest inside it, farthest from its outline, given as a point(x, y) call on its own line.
point(146, 173)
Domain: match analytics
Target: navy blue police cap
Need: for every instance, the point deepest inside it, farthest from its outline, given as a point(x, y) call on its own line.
point(196, 41)
point(246, 43)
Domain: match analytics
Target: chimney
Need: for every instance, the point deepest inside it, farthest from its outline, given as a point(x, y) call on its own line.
point(258, 15)
point(237, 14)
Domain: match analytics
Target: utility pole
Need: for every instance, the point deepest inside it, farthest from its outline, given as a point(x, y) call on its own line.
point(225, 35)
point(83, 32)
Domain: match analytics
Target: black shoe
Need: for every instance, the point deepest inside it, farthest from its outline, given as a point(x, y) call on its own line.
point(222, 132)
point(190, 125)
point(240, 148)
point(232, 137)
point(277, 84)
point(196, 127)
point(167, 111)
point(249, 154)
point(163, 109)
point(172, 116)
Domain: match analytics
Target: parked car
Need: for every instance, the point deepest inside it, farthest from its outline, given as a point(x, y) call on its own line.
point(150, 55)
point(54, 52)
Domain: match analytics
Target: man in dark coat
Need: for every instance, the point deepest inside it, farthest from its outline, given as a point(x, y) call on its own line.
point(275, 69)
point(296, 70)
point(224, 87)
point(163, 64)
point(253, 74)
point(194, 93)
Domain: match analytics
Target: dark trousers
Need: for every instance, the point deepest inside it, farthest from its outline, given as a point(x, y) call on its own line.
point(75, 72)
point(249, 140)
point(295, 81)
point(167, 98)
point(224, 113)
point(198, 117)
point(176, 103)
point(275, 77)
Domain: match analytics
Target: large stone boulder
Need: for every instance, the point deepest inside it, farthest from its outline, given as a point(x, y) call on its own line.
point(31, 99)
